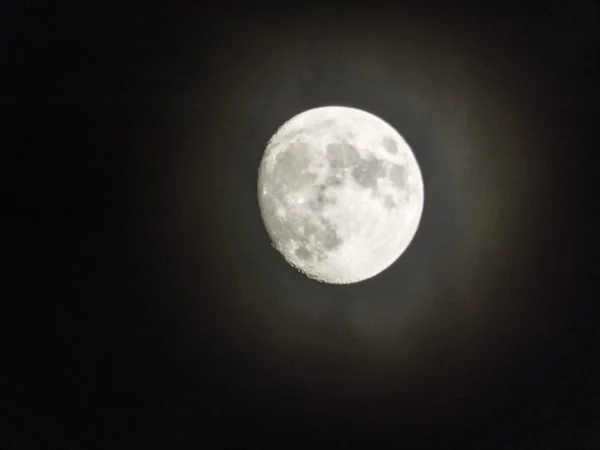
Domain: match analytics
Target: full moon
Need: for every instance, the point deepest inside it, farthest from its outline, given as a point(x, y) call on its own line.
point(340, 194)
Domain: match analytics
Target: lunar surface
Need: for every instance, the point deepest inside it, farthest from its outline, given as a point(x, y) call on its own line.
point(340, 194)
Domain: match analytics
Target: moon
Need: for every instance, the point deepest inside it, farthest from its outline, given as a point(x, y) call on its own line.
point(340, 194)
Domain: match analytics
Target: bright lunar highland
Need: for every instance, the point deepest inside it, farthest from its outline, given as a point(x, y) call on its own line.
point(340, 194)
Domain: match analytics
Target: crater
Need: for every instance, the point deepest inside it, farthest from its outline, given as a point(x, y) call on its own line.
point(342, 154)
point(389, 145)
point(303, 253)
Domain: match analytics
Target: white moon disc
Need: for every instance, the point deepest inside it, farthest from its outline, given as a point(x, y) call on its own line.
point(340, 194)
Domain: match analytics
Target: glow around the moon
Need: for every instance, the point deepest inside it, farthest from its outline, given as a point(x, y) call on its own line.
point(340, 193)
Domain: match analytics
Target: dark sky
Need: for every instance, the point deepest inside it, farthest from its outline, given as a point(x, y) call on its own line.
point(145, 307)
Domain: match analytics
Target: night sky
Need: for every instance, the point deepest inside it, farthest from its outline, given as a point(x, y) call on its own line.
point(145, 306)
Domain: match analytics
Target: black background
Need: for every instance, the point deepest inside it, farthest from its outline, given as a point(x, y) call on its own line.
point(144, 307)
